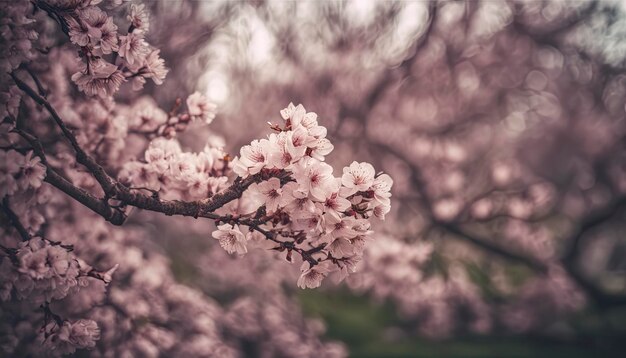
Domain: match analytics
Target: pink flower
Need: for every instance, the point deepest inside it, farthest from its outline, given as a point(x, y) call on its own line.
point(315, 177)
point(34, 263)
point(321, 148)
point(296, 199)
point(381, 210)
point(108, 41)
point(357, 177)
point(200, 107)
point(138, 17)
point(283, 153)
point(337, 227)
point(33, 172)
point(83, 333)
point(300, 137)
point(133, 48)
point(252, 158)
point(312, 277)
point(198, 185)
point(336, 204)
point(382, 188)
point(70, 336)
point(231, 239)
point(155, 67)
point(100, 78)
point(286, 113)
point(93, 26)
point(270, 194)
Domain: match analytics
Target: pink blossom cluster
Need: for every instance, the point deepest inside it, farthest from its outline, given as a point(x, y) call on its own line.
point(41, 272)
point(108, 57)
point(18, 34)
point(68, 336)
point(174, 173)
point(146, 118)
point(20, 172)
point(403, 273)
point(310, 208)
point(71, 281)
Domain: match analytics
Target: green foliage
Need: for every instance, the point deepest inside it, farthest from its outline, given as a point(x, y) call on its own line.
point(368, 328)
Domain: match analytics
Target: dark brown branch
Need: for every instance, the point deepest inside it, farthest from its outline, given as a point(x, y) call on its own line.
point(99, 206)
point(200, 208)
point(128, 197)
point(420, 186)
point(15, 221)
point(105, 181)
point(387, 78)
point(572, 253)
point(490, 247)
point(40, 88)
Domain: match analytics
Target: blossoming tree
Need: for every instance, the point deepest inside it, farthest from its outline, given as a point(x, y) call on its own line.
point(76, 159)
point(502, 124)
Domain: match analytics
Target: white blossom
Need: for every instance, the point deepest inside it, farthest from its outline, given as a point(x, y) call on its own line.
point(231, 239)
point(133, 48)
point(357, 177)
point(32, 172)
point(200, 107)
point(311, 277)
point(138, 17)
point(315, 177)
point(100, 78)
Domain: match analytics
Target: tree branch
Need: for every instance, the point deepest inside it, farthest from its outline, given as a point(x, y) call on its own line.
point(116, 190)
point(420, 186)
point(572, 253)
point(99, 206)
point(486, 245)
point(105, 181)
point(15, 221)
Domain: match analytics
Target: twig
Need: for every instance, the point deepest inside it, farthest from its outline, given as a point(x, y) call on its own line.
point(105, 181)
point(15, 221)
point(99, 206)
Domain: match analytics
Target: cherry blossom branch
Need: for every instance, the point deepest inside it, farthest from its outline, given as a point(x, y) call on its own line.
point(128, 197)
point(99, 206)
point(114, 189)
point(15, 220)
point(105, 181)
point(199, 208)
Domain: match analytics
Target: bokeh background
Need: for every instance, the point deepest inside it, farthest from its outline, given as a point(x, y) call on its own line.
point(502, 124)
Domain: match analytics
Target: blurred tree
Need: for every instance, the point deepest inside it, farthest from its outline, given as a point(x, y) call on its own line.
point(502, 123)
